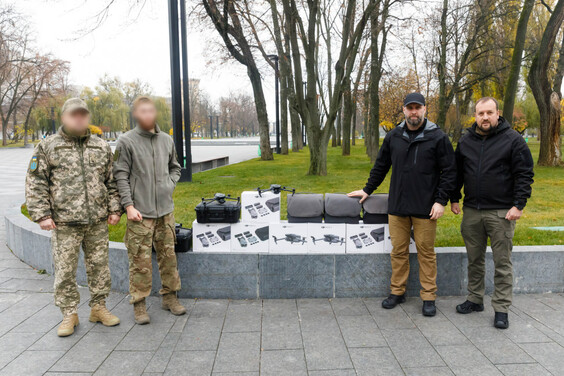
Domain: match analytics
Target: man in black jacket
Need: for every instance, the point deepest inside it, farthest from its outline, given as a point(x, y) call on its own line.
point(496, 168)
point(423, 176)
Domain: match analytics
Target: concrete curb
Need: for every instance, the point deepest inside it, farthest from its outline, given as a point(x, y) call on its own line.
point(537, 269)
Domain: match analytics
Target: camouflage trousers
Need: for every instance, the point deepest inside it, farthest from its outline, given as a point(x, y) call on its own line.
point(65, 245)
point(139, 240)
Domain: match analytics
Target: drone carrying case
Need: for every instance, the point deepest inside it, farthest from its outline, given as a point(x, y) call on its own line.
point(305, 208)
point(340, 208)
point(375, 209)
point(183, 239)
point(220, 209)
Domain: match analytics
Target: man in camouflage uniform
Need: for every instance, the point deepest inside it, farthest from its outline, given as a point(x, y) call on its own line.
point(146, 170)
point(70, 190)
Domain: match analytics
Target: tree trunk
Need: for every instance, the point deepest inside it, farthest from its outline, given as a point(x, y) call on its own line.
point(262, 115)
point(516, 59)
point(547, 100)
point(283, 115)
point(353, 130)
point(347, 118)
point(339, 126)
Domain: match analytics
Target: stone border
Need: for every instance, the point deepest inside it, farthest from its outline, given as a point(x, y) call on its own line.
point(537, 269)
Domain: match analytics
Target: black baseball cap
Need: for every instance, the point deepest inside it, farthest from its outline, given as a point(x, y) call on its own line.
point(414, 98)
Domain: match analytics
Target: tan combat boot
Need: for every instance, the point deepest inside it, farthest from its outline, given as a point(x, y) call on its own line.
point(67, 326)
point(140, 311)
point(171, 303)
point(99, 313)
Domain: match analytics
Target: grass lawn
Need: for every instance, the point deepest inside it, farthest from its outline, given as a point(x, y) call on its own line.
point(19, 144)
point(545, 208)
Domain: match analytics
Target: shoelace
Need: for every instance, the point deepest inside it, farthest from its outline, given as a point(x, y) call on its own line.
point(67, 320)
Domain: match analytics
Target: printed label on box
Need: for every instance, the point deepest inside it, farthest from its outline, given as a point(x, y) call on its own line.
point(288, 238)
point(249, 237)
point(211, 237)
point(363, 238)
point(326, 237)
point(264, 207)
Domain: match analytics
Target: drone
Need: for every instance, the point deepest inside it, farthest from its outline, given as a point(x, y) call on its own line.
point(292, 238)
point(330, 238)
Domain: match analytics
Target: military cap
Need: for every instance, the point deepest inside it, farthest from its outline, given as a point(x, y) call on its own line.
point(73, 104)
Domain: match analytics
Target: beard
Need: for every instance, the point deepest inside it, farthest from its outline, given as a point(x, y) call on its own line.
point(414, 122)
point(487, 131)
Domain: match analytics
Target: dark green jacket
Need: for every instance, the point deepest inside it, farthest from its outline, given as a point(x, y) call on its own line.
point(146, 170)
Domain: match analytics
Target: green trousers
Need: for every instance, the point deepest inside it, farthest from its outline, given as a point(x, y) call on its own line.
point(477, 226)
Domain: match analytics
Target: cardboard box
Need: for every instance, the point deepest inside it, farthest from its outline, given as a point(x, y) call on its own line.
point(388, 242)
point(326, 237)
point(363, 238)
point(288, 238)
point(211, 237)
point(264, 207)
point(249, 237)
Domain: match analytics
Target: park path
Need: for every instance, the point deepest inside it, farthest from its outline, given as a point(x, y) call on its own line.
point(320, 337)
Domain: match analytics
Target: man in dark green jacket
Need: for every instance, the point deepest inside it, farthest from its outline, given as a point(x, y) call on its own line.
point(147, 170)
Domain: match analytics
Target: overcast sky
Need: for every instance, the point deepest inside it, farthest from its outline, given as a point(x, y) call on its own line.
point(127, 46)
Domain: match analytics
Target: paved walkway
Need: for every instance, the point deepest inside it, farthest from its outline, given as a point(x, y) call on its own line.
point(265, 337)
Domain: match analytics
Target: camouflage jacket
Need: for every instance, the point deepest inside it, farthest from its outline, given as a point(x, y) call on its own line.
point(70, 179)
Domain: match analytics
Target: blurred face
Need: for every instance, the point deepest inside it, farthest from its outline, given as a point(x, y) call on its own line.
point(414, 114)
point(487, 116)
point(76, 122)
point(146, 115)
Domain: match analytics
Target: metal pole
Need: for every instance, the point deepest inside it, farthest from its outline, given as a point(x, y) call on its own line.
point(53, 127)
point(186, 94)
point(217, 124)
point(176, 93)
point(211, 126)
point(304, 134)
point(276, 88)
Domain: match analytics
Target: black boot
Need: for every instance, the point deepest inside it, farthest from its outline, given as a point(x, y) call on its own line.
point(469, 307)
point(393, 300)
point(501, 321)
point(429, 308)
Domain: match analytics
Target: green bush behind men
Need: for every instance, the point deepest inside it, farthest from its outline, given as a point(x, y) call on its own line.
point(70, 190)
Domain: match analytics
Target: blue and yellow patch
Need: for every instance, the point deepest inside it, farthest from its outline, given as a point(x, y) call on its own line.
point(33, 164)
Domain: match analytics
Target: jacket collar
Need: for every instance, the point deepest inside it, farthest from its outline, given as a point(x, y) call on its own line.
point(428, 127)
point(70, 137)
point(145, 133)
point(502, 125)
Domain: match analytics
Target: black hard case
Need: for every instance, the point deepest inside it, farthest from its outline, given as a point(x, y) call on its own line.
point(220, 209)
point(183, 239)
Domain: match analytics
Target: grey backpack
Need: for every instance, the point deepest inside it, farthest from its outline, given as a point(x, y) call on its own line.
point(375, 209)
point(305, 207)
point(339, 208)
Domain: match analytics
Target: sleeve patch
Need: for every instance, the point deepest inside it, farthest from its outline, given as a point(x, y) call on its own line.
point(33, 164)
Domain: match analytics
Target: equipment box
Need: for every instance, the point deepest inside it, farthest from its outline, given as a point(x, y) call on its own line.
point(305, 208)
point(339, 208)
point(220, 209)
point(183, 239)
point(388, 242)
point(366, 238)
point(211, 237)
point(260, 207)
point(249, 237)
point(326, 237)
point(375, 209)
point(288, 238)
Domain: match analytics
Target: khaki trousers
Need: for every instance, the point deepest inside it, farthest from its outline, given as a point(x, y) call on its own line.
point(476, 227)
point(424, 231)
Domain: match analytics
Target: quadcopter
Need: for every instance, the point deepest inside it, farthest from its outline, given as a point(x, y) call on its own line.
point(292, 238)
point(330, 238)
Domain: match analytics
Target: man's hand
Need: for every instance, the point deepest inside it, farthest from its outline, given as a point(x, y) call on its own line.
point(455, 208)
point(363, 195)
point(113, 219)
point(133, 214)
point(437, 211)
point(513, 214)
point(47, 224)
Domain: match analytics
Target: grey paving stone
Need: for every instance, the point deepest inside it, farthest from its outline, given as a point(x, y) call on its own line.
point(42, 321)
point(549, 355)
point(13, 263)
point(333, 372)
point(34, 285)
point(281, 333)
point(88, 353)
point(349, 307)
point(160, 360)
point(238, 352)
point(20, 311)
point(411, 348)
point(312, 308)
point(31, 363)
point(67, 374)
point(360, 331)
point(503, 352)
point(124, 363)
point(145, 337)
point(325, 349)
point(25, 273)
point(9, 299)
point(375, 362)
point(236, 373)
point(523, 369)
point(440, 331)
point(194, 363)
point(428, 371)
point(388, 318)
point(243, 316)
point(209, 308)
point(13, 344)
point(279, 308)
point(466, 359)
point(201, 333)
point(283, 362)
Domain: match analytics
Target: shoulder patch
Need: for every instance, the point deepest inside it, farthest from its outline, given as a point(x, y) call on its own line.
point(116, 155)
point(33, 164)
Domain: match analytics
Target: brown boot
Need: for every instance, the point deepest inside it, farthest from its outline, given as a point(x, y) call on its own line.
point(67, 326)
point(140, 311)
point(99, 313)
point(171, 303)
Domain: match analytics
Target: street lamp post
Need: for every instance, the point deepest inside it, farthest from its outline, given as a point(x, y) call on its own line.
point(211, 126)
point(217, 125)
point(277, 93)
point(304, 134)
